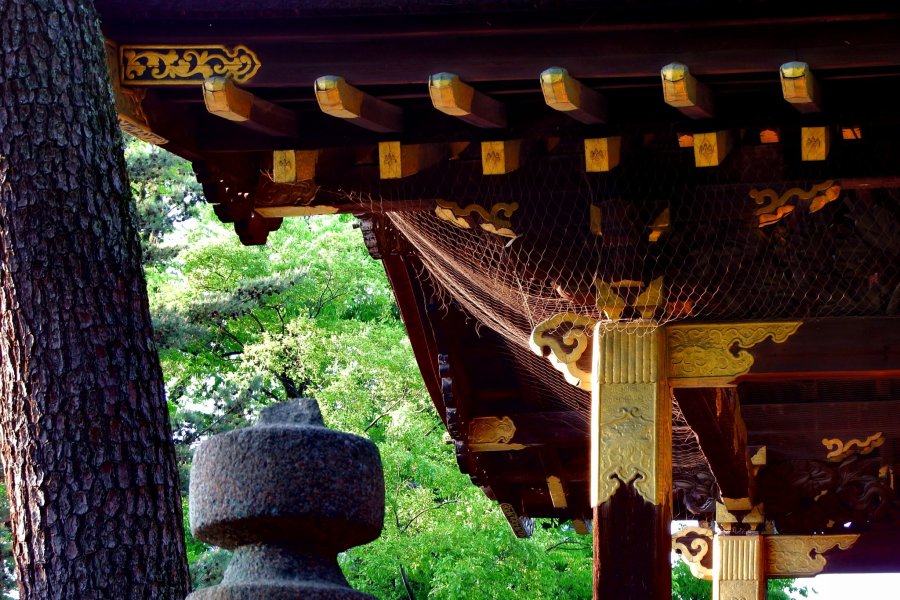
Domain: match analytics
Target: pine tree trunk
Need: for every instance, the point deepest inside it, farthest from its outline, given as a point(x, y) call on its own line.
point(90, 465)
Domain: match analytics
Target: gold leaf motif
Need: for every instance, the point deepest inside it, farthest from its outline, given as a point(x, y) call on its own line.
point(496, 221)
point(802, 555)
point(492, 157)
point(565, 339)
point(702, 354)
point(839, 450)
point(179, 65)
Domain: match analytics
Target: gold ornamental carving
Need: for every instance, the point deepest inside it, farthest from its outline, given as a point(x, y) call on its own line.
point(565, 339)
point(839, 450)
point(488, 434)
point(180, 65)
point(802, 555)
point(738, 567)
point(631, 414)
point(776, 206)
point(694, 546)
point(129, 102)
point(714, 355)
point(497, 221)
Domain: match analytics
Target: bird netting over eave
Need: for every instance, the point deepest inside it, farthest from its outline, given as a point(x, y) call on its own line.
point(759, 237)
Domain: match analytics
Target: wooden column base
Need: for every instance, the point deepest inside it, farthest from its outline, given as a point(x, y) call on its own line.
point(632, 547)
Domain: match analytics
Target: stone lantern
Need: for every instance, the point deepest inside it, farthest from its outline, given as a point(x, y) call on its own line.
point(286, 495)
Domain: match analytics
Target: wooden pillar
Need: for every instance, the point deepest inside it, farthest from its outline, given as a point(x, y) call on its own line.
point(739, 567)
point(631, 462)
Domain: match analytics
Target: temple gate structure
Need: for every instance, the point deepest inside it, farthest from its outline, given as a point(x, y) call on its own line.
point(647, 253)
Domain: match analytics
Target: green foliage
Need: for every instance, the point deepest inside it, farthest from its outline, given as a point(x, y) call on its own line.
point(164, 191)
point(312, 314)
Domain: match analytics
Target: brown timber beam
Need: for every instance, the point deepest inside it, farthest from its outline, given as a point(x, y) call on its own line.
point(720, 355)
point(452, 96)
point(339, 99)
point(225, 99)
point(714, 414)
point(564, 93)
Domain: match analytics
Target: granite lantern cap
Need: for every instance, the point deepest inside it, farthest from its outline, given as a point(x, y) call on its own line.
point(287, 480)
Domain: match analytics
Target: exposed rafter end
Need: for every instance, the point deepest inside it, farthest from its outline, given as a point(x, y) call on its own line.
point(225, 99)
point(339, 99)
point(681, 90)
point(800, 87)
point(452, 96)
point(564, 93)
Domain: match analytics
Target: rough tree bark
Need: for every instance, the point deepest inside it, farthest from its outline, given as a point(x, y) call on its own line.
point(90, 465)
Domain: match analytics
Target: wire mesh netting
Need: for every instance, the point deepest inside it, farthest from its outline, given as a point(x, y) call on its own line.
point(762, 236)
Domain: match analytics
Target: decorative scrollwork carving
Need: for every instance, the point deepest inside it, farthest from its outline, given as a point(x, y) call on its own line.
point(565, 339)
point(496, 221)
point(702, 355)
point(838, 450)
point(627, 441)
point(491, 430)
point(777, 207)
point(179, 65)
point(802, 556)
point(694, 546)
point(812, 496)
point(698, 491)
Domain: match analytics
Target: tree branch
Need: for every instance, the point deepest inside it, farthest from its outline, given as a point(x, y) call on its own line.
point(425, 510)
point(381, 416)
point(409, 593)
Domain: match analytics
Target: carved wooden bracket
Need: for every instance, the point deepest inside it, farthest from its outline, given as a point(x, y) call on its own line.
point(839, 450)
point(694, 546)
point(802, 555)
point(785, 555)
point(714, 355)
point(777, 205)
point(565, 339)
point(492, 221)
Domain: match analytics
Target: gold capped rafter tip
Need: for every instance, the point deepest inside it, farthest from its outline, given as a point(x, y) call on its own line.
point(681, 90)
point(799, 86)
point(339, 99)
point(452, 96)
point(564, 93)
